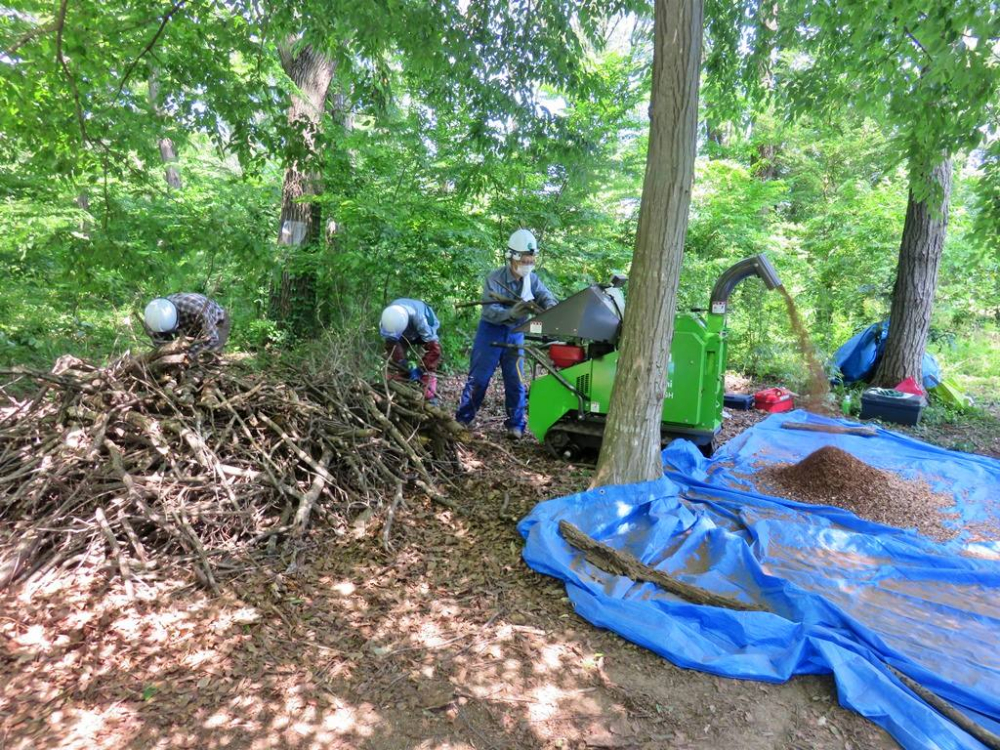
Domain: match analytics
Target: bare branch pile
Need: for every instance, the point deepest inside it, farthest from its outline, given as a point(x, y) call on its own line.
point(148, 456)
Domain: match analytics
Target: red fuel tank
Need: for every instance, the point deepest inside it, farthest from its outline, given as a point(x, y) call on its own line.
point(774, 400)
point(566, 355)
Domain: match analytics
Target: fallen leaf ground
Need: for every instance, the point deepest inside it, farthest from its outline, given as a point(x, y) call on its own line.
point(444, 641)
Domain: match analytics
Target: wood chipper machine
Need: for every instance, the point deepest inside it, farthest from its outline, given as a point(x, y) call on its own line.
point(576, 343)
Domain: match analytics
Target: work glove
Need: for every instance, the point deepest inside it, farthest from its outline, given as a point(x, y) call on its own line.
point(416, 373)
point(430, 383)
point(520, 309)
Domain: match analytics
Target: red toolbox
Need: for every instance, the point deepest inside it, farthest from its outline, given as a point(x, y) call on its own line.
point(774, 400)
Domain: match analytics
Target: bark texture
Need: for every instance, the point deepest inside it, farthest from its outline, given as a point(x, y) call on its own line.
point(299, 223)
point(631, 447)
point(312, 72)
point(924, 230)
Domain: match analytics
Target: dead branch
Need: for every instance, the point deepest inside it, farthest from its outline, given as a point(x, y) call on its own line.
point(622, 563)
point(387, 527)
point(944, 708)
point(309, 499)
point(163, 461)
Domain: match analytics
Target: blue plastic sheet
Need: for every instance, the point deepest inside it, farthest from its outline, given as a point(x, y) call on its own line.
point(858, 357)
point(846, 596)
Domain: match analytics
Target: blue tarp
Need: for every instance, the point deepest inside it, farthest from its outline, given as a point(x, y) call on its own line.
point(845, 595)
point(859, 356)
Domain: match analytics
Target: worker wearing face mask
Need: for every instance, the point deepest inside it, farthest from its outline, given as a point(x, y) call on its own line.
point(519, 291)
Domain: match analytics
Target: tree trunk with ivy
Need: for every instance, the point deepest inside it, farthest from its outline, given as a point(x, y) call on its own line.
point(293, 295)
point(631, 447)
point(924, 230)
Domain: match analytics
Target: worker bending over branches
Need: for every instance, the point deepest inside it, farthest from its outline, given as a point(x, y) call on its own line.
point(405, 325)
point(188, 314)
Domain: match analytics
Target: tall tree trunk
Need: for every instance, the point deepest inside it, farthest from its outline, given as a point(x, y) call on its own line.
point(299, 224)
point(631, 447)
point(167, 153)
point(765, 168)
point(916, 281)
point(764, 162)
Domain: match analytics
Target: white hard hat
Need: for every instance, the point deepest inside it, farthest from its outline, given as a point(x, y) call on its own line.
point(395, 318)
point(161, 316)
point(522, 242)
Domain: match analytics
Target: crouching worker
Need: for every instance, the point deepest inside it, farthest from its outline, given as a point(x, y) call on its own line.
point(496, 343)
point(188, 314)
point(407, 324)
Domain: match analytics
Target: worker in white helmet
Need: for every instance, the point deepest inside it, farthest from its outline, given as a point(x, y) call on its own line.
point(519, 291)
point(405, 325)
point(188, 314)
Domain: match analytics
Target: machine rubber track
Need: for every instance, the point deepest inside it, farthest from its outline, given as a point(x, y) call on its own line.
point(569, 438)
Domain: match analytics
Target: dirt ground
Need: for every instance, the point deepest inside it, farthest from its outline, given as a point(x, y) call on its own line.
point(443, 641)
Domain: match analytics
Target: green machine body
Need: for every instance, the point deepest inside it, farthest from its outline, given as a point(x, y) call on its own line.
point(576, 343)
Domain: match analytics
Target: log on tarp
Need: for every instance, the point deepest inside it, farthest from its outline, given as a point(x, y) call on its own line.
point(621, 563)
point(830, 428)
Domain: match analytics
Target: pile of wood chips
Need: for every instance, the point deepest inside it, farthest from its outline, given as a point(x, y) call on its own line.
point(831, 476)
point(152, 460)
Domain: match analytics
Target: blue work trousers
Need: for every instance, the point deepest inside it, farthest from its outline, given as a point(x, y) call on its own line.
point(485, 358)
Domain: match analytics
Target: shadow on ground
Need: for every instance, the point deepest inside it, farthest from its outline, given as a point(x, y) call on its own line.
point(431, 634)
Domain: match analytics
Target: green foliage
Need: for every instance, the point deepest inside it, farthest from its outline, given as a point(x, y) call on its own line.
point(733, 213)
point(465, 122)
point(75, 286)
point(971, 357)
point(417, 214)
point(926, 71)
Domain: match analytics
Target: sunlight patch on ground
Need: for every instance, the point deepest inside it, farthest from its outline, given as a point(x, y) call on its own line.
point(347, 719)
point(34, 639)
point(344, 588)
point(429, 635)
point(545, 703)
point(84, 729)
point(550, 658)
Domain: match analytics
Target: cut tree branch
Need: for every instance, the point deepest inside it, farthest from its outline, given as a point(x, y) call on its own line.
point(622, 563)
point(942, 706)
point(916, 41)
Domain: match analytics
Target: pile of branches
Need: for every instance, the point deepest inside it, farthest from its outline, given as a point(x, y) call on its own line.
point(151, 456)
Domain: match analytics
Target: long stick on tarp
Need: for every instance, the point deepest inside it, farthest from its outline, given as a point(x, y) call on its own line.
point(621, 563)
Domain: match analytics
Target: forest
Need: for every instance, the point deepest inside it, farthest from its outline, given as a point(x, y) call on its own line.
point(417, 160)
point(283, 544)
